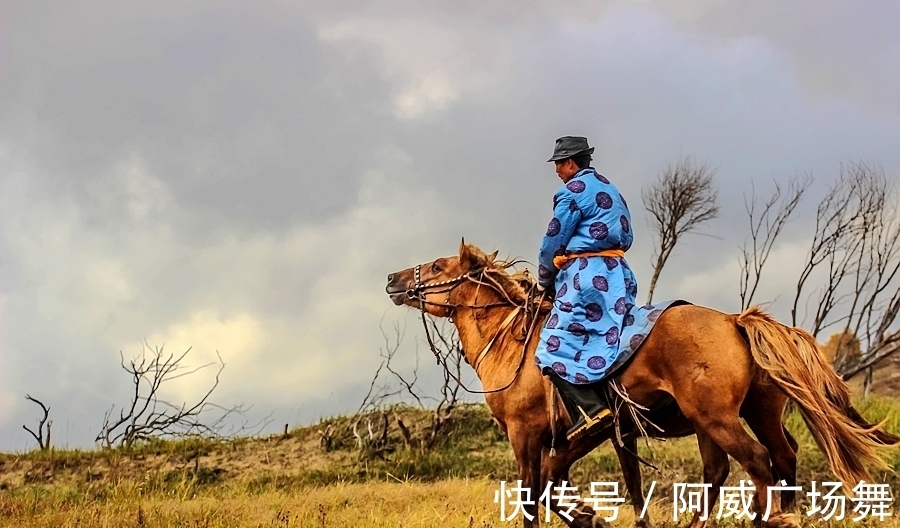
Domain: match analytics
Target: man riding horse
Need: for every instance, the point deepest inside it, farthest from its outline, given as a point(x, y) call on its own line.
point(728, 366)
point(582, 263)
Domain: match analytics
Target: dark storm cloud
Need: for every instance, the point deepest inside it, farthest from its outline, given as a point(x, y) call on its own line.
point(240, 109)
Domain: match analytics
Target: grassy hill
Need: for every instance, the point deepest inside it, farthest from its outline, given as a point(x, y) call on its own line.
point(297, 480)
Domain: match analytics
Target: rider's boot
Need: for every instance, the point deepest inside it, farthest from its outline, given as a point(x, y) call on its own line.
point(585, 404)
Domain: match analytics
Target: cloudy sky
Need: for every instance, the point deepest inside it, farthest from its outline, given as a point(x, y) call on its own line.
point(241, 176)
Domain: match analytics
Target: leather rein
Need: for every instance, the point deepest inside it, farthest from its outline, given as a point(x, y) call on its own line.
point(528, 308)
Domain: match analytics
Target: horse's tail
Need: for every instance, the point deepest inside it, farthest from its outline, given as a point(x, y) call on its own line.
point(791, 357)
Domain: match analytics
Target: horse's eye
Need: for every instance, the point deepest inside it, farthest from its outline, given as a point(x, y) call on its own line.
point(435, 268)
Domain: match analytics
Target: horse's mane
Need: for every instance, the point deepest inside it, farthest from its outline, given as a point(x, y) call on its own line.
point(515, 283)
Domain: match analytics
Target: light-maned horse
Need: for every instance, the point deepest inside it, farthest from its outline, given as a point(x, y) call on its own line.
point(699, 370)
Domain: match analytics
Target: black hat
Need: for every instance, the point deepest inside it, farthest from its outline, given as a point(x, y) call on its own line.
point(568, 146)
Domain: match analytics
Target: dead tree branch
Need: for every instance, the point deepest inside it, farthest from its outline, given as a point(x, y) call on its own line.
point(765, 226)
point(682, 199)
point(403, 387)
point(148, 416)
point(43, 434)
point(853, 252)
point(451, 352)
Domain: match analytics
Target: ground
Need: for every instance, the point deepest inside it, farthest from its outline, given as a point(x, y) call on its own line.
point(292, 480)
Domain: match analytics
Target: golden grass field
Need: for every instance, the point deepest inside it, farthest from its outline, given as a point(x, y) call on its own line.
point(292, 481)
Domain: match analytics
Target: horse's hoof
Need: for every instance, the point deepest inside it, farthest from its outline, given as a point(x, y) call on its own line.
point(643, 523)
point(783, 520)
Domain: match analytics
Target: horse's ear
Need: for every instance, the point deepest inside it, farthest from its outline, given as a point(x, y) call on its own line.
point(465, 255)
point(493, 256)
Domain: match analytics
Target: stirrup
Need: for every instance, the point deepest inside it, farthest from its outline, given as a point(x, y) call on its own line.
point(589, 423)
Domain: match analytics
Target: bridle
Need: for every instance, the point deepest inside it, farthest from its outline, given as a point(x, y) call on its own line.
point(416, 293)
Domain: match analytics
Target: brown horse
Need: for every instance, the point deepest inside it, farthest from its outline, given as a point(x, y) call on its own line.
point(701, 370)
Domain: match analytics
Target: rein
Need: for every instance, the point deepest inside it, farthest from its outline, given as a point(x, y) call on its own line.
point(416, 293)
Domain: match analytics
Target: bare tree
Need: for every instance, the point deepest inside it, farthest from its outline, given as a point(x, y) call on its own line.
point(765, 226)
point(43, 434)
point(851, 276)
point(855, 253)
point(149, 416)
point(866, 258)
point(682, 198)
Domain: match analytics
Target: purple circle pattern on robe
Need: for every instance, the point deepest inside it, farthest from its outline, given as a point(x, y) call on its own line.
point(552, 321)
point(612, 335)
point(576, 186)
point(553, 343)
point(593, 312)
point(559, 368)
point(599, 231)
point(596, 362)
point(553, 227)
point(604, 200)
point(543, 272)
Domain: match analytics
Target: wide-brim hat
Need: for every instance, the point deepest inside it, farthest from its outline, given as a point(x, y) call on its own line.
point(569, 146)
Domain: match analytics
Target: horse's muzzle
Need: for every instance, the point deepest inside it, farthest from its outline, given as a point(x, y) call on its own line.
point(397, 293)
point(398, 297)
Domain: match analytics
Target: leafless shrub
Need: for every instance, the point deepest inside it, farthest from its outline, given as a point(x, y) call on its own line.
point(43, 428)
point(390, 386)
point(148, 416)
point(326, 437)
point(374, 442)
point(682, 198)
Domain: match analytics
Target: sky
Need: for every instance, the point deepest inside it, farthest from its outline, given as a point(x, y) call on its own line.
point(240, 177)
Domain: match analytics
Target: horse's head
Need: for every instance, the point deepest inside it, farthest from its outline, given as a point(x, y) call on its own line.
point(429, 285)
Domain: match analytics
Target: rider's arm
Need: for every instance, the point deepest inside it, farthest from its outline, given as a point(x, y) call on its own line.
point(566, 216)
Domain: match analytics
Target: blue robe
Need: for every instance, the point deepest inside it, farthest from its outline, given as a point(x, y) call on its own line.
point(594, 295)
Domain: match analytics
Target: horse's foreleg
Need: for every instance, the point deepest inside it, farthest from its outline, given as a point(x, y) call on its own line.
point(526, 444)
point(555, 470)
point(631, 471)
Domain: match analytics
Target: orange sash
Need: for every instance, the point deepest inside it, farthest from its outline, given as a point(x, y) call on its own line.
point(562, 259)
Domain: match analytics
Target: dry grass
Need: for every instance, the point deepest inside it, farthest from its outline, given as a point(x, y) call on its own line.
point(292, 482)
point(451, 503)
